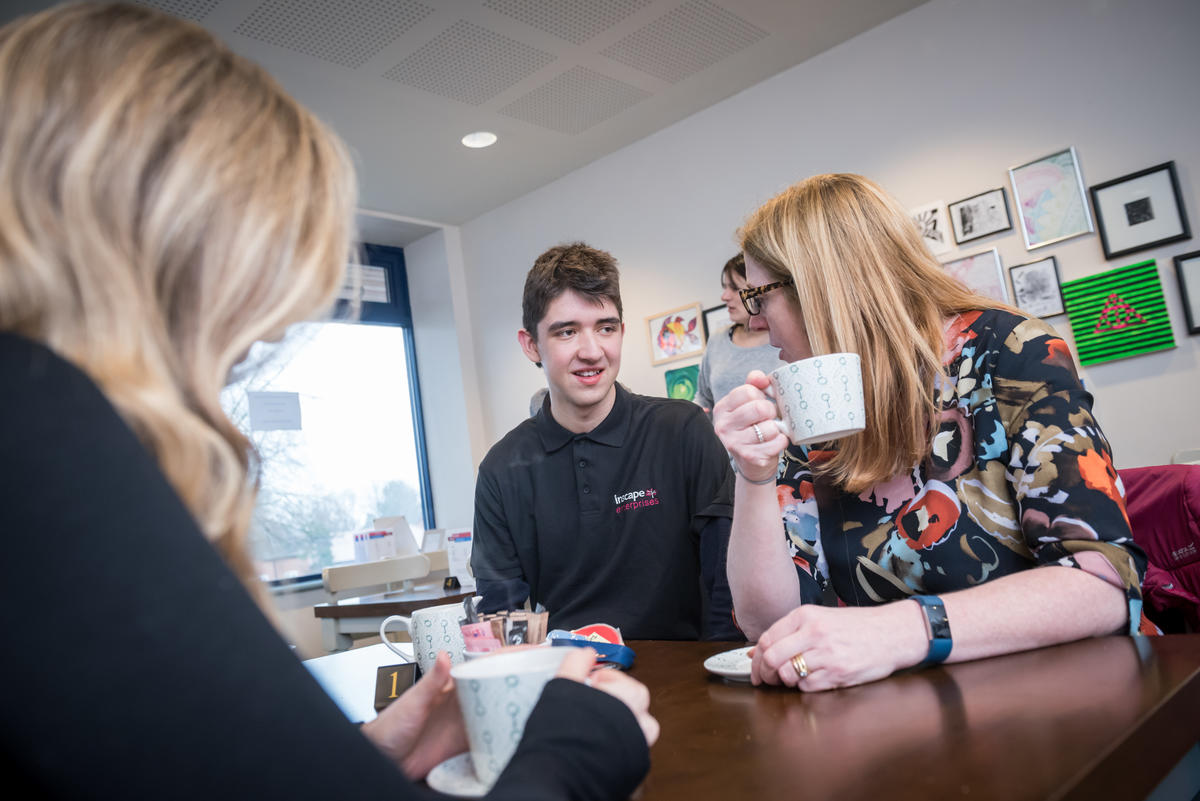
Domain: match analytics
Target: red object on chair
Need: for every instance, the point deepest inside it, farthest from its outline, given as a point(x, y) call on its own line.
point(1164, 512)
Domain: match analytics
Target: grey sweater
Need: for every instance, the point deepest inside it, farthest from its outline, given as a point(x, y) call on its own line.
point(725, 366)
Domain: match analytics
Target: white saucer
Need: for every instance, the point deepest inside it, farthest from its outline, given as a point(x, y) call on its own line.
point(456, 776)
point(733, 664)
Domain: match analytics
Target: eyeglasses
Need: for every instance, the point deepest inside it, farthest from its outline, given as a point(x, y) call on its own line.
point(750, 295)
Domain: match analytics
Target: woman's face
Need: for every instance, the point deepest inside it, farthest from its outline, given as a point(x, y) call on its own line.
point(731, 282)
point(781, 315)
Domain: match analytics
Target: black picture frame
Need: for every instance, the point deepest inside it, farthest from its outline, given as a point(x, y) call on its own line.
point(1187, 270)
point(961, 212)
point(1148, 197)
point(1037, 287)
point(714, 320)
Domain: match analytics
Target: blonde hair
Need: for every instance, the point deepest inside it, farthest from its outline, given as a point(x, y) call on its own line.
point(163, 205)
point(866, 284)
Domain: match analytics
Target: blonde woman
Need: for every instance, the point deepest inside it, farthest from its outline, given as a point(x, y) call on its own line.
point(163, 205)
point(977, 514)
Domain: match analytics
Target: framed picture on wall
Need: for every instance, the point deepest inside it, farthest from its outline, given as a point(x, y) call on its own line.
point(1050, 200)
point(930, 219)
point(683, 381)
point(1036, 287)
point(675, 334)
point(1118, 313)
point(1139, 211)
point(716, 318)
point(982, 273)
point(980, 215)
point(1187, 270)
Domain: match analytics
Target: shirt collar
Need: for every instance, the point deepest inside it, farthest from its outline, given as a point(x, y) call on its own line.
point(611, 431)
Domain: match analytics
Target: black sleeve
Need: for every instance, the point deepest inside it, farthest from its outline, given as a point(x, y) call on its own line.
point(710, 485)
point(499, 595)
point(710, 479)
point(717, 621)
point(559, 748)
point(144, 669)
point(499, 579)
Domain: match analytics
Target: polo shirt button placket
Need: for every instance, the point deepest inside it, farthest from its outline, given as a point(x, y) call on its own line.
point(582, 463)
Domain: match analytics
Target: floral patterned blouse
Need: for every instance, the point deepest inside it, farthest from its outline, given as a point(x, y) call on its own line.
point(1020, 476)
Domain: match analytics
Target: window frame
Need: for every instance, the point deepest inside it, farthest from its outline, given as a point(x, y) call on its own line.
point(397, 313)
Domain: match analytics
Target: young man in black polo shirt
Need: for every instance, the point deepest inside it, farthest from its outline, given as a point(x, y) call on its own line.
point(605, 506)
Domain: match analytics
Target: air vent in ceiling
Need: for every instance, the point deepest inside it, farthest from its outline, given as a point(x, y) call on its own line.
point(194, 10)
point(693, 36)
point(346, 33)
point(574, 101)
point(468, 63)
point(573, 20)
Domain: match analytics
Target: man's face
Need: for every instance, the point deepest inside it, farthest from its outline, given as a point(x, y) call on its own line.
point(579, 346)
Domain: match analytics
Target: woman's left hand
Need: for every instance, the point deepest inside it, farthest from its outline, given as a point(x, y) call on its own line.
point(422, 727)
point(840, 646)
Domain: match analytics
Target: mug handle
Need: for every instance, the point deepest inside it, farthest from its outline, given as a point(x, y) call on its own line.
point(393, 647)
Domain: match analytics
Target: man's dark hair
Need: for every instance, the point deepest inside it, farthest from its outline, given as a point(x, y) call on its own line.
point(735, 265)
point(590, 272)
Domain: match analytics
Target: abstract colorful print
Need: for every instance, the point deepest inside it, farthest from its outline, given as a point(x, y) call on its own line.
point(1019, 476)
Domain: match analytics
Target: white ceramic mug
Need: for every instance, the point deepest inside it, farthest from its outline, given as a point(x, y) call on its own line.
point(496, 696)
point(820, 398)
point(432, 629)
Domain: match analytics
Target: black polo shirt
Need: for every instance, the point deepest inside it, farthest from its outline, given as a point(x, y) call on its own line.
point(605, 526)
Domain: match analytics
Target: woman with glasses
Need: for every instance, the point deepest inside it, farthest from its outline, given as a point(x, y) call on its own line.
point(164, 204)
point(733, 352)
point(977, 514)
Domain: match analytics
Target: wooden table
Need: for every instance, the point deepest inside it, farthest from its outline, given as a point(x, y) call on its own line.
point(342, 619)
point(1098, 719)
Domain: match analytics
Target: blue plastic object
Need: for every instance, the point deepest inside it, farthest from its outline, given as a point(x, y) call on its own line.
point(610, 652)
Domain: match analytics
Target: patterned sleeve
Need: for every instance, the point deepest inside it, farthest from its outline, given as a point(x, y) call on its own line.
point(1070, 500)
point(795, 490)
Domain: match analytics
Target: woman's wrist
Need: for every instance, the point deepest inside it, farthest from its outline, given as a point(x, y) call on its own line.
point(937, 629)
point(751, 479)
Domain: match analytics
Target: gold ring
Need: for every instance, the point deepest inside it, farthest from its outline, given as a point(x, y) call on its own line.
point(757, 433)
point(800, 665)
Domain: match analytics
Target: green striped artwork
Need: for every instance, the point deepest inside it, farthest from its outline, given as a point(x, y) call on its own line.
point(1118, 313)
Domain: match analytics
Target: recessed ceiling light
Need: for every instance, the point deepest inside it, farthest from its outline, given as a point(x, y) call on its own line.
point(479, 139)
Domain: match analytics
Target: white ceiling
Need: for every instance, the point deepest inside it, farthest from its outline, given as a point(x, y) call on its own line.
point(561, 82)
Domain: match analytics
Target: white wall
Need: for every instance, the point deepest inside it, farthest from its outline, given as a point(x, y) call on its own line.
point(935, 104)
point(446, 368)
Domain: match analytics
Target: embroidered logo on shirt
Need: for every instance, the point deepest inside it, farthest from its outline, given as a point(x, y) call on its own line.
point(1187, 551)
point(636, 499)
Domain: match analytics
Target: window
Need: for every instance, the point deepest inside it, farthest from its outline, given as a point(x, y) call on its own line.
point(334, 411)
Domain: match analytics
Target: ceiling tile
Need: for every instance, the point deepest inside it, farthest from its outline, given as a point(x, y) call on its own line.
point(574, 101)
point(346, 33)
point(573, 20)
point(469, 63)
point(686, 40)
point(195, 10)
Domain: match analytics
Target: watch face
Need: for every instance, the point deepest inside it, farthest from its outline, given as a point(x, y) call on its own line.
point(939, 626)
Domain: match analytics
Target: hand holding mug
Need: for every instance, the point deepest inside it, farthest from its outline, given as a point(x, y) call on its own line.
point(580, 665)
point(743, 422)
point(423, 726)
